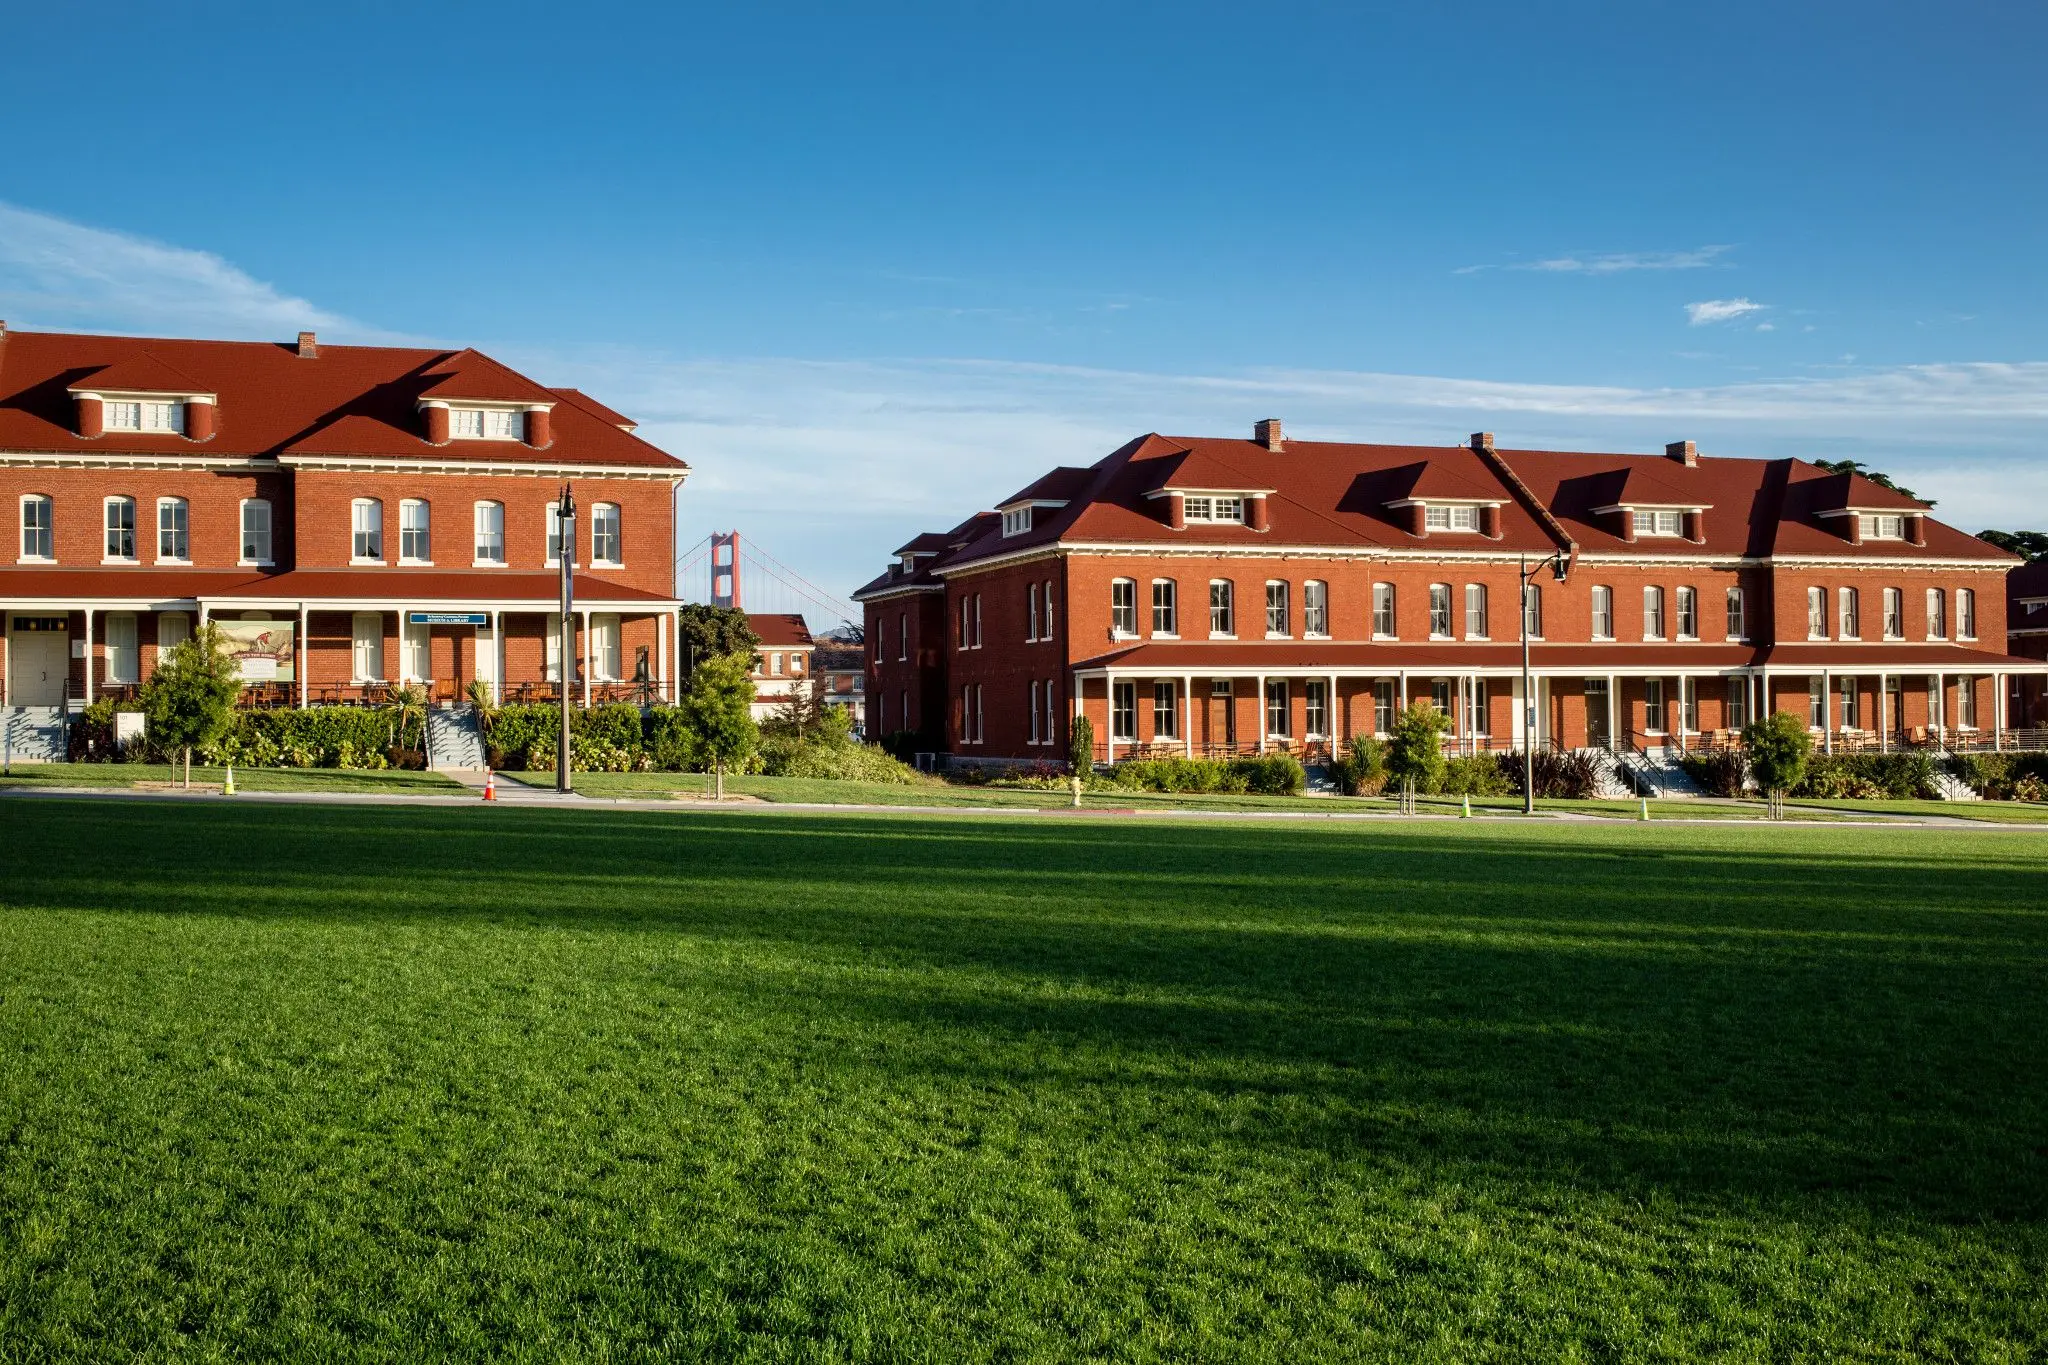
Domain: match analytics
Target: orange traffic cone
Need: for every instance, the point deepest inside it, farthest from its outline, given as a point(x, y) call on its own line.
point(490, 785)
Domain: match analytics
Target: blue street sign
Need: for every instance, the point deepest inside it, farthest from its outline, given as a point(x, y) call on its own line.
point(448, 618)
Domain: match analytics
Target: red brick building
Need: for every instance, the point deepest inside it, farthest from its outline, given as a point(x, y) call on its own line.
point(354, 516)
point(2026, 634)
point(1208, 596)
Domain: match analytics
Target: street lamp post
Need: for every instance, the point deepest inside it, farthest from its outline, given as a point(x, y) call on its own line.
point(1556, 562)
point(565, 533)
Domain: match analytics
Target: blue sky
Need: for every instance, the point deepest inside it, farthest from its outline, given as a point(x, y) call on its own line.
point(870, 270)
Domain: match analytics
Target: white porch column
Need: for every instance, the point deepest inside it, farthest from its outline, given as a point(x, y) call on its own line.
point(1613, 718)
point(1998, 710)
point(1333, 716)
point(661, 654)
point(1827, 712)
point(88, 660)
point(586, 658)
point(1884, 713)
point(1109, 717)
point(1941, 705)
point(497, 657)
point(1187, 720)
point(305, 654)
point(1262, 713)
point(1404, 689)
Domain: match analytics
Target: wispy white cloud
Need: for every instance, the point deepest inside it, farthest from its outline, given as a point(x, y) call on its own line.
point(1614, 262)
point(64, 275)
point(1720, 310)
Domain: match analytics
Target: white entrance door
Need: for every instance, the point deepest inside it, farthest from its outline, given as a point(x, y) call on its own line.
point(38, 665)
point(486, 654)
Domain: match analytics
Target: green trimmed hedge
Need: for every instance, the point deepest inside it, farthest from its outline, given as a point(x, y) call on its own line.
point(2003, 777)
point(1870, 777)
point(1265, 774)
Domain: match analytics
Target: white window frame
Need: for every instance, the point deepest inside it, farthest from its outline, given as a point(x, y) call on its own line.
point(1602, 614)
point(1016, 521)
point(424, 531)
point(1659, 521)
point(1223, 608)
point(1315, 709)
point(269, 534)
point(1046, 633)
point(1654, 623)
point(1457, 516)
point(124, 657)
point(1165, 609)
point(1280, 600)
point(1441, 622)
point(1848, 613)
point(1966, 613)
point(1384, 706)
point(1654, 706)
point(108, 555)
point(1688, 622)
point(600, 512)
point(1477, 624)
point(168, 636)
point(487, 523)
point(902, 639)
point(1894, 614)
point(607, 648)
point(1966, 702)
point(1123, 711)
point(1034, 702)
point(1123, 608)
point(366, 651)
point(182, 532)
point(1210, 509)
point(1532, 610)
point(151, 416)
point(1279, 706)
point(1816, 613)
point(1386, 624)
point(415, 651)
point(552, 540)
point(1031, 621)
point(1881, 526)
point(1738, 614)
point(1315, 609)
point(45, 532)
point(1937, 613)
point(1165, 710)
point(359, 517)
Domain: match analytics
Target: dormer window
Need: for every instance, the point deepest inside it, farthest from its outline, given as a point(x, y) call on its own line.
point(910, 563)
point(1659, 521)
point(1213, 509)
point(486, 424)
point(1457, 517)
point(1016, 522)
point(1882, 526)
point(129, 414)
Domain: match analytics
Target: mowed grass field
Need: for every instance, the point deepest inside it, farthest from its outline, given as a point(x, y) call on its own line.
point(355, 1083)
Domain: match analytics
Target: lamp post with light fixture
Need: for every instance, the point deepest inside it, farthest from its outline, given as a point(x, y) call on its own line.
point(1557, 567)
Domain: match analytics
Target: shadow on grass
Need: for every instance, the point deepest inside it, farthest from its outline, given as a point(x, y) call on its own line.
point(1741, 1013)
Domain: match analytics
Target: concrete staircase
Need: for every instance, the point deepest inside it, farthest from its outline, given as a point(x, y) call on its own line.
point(33, 734)
point(1656, 773)
point(1613, 783)
point(1949, 787)
point(455, 739)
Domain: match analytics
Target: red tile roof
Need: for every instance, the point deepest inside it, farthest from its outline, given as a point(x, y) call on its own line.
point(780, 631)
point(1384, 659)
point(349, 400)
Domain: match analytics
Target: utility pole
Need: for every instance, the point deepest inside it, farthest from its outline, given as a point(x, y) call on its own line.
point(565, 531)
point(1556, 562)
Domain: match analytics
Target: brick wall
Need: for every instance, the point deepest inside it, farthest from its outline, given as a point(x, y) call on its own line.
point(213, 510)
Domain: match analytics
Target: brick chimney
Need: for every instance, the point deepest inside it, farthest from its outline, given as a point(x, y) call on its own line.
point(1266, 432)
point(539, 428)
point(309, 346)
point(92, 416)
point(1255, 512)
point(437, 423)
point(1177, 511)
point(1482, 440)
point(1685, 452)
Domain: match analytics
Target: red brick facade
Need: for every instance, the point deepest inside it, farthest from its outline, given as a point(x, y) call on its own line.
point(1668, 654)
point(306, 432)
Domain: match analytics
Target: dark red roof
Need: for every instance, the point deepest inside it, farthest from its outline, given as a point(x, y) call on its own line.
point(349, 400)
point(595, 408)
point(1312, 657)
point(780, 631)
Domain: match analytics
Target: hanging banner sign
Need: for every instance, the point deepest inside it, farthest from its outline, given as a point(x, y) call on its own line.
point(262, 650)
point(447, 618)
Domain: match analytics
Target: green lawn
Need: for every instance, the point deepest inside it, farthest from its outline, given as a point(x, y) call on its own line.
point(383, 1083)
point(246, 779)
point(2002, 812)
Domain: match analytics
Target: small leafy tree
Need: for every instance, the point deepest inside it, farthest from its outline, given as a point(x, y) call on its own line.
point(1778, 747)
point(405, 704)
point(704, 633)
point(718, 709)
point(801, 713)
point(1415, 755)
point(1081, 752)
point(190, 700)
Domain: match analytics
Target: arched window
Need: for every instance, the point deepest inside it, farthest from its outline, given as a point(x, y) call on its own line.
point(366, 525)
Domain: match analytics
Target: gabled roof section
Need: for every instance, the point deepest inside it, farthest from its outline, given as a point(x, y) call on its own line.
point(359, 401)
point(1204, 471)
point(473, 375)
point(1058, 486)
point(139, 372)
point(1435, 481)
point(781, 631)
point(1846, 492)
point(1641, 487)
